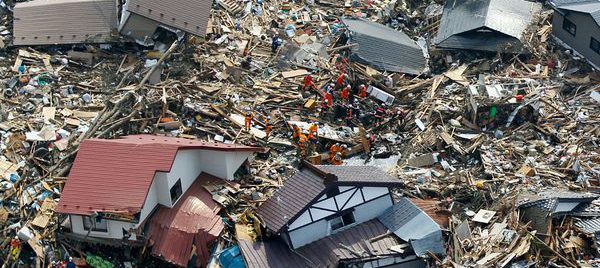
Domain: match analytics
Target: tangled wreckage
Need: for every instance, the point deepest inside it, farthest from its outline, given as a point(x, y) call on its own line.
point(402, 133)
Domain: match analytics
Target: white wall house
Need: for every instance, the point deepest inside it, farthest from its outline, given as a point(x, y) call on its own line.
point(351, 206)
point(187, 161)
point(319, 201)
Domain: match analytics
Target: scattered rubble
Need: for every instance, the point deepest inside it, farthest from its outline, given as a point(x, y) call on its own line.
point(491, 156)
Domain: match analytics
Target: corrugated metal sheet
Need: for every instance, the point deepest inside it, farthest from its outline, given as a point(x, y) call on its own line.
point(326, 252)
point(188, 15)
point(384, 48)
point(589, 226)
point(193, 221)
point(461, 19)
point(43, 22)
point(411, 224)
point(308, 184)
point(115, 175)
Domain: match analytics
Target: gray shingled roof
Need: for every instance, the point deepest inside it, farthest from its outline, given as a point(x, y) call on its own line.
point(411, 224)
point(188, 15)
point(384, 48)
point(509, 18)
point(307, 184)
point(587, 7)
point(47, 22)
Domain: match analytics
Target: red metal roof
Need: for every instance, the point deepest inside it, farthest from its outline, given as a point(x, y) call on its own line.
point(115, 175)
point(193, 221)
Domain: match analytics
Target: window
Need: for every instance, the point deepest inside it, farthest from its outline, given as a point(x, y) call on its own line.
point(569, 26)
point(595, 45)
point(175, 191)
point(98, 224)
point(341, 221)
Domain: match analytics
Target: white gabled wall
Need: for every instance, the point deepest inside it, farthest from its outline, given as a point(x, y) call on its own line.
point(221, 163)
point(151, 199)
point(377, 200)
point(115, 228)
point(372, 209)
point(309, 233)
point(188, 164)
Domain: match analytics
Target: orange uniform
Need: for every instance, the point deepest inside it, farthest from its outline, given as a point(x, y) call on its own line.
point(362, 91)
point(268, 128)
point(314, 129)
point(345, 94)
point(248, 120)
point(329, 99)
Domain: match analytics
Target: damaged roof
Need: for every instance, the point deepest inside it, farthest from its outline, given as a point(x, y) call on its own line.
point(384, 48)
point(188, 15)
point(194, 220)
point(329, 251)
point(586, 7)
point(47, 22)
point(309, 183)
point(114, 175)
point(484, 24)
point(411, 224)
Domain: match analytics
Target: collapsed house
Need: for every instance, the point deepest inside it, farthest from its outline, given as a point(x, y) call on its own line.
point(88, 21)
point(142, 19)
point(384, 48)
point(541, 208)
point(64, 22)
point(327, 216)
point(576, 25)
point(117, 186)
point(488, 25)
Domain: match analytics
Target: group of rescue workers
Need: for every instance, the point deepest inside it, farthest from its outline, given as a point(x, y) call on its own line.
point(339, 93)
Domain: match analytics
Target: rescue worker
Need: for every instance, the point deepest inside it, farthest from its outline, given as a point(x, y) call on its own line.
point(343, 150)
point(362, 91)
point(302, 145)
point(15, 248)
point(268, 127)
point(297, 132)
point(341, 80)
point(308, 83)
point(275, 43)
point(349, 115)
point(334, 149)
point(314, 129)
point(248, 120)
point(345, 93)
point(329, 88)
point(336, 160)
point(329, 99)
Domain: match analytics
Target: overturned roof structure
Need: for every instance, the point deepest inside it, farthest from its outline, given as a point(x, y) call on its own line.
point(187, 15)
point(410, 223)
point(487, 25)
point(384, 48)
point(48, 22)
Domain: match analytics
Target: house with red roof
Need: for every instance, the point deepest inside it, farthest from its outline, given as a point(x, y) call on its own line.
point(116, 187)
